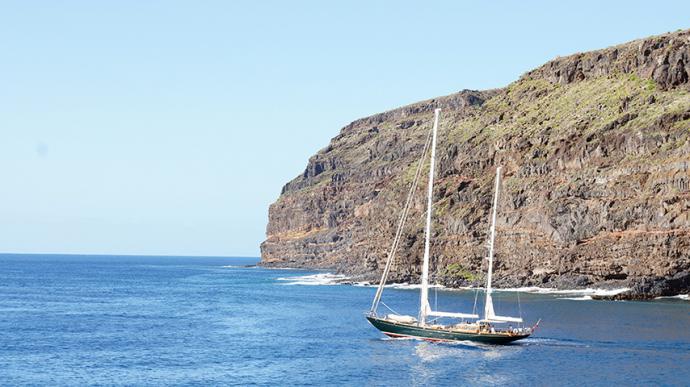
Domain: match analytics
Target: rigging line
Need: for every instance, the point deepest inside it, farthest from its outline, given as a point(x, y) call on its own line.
point(519, 305)
point(389, 308)
point(403, 217)
point(406, 209)
point(408, 203)
point(476, 295)
point(436, 298)
point(413, 188)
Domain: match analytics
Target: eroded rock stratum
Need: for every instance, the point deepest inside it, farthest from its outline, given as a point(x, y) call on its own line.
point(596, 193)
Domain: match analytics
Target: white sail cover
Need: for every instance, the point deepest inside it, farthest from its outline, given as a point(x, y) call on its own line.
point(401, 318)
point(491, 315)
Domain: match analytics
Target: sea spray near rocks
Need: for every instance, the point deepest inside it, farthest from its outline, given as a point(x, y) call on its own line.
point(321, 279)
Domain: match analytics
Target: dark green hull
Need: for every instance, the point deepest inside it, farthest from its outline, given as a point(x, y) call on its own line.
point(395, 329)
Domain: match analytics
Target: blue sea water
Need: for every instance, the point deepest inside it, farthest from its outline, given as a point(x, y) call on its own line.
point(84, 320)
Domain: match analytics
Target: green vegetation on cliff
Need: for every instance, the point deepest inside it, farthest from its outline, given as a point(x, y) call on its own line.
point(596, 153)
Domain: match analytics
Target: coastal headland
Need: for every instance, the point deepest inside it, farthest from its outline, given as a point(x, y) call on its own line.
point(596, 152)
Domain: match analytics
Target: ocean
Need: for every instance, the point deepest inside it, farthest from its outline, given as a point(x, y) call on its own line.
point(137, 320)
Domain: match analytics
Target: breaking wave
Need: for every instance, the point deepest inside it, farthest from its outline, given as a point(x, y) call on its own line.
point(583, 292)
point(315, 279)
point(582, 298)
point(340, 279)
point(406, 286)
point(677, 296)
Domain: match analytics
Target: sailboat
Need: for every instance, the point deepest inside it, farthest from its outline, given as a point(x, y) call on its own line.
point(467, 326)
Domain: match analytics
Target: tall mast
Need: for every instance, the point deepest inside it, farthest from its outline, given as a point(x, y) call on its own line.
point(424, 296)
point(488, 304)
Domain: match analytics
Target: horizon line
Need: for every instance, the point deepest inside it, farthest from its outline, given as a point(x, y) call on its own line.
point(135, 255)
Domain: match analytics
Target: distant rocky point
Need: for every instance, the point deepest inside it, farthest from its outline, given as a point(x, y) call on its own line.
point(596, 194)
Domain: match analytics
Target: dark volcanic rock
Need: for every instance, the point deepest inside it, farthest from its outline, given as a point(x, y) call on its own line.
point(596, 192)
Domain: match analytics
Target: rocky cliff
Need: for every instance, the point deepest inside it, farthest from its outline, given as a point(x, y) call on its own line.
point(596, 191)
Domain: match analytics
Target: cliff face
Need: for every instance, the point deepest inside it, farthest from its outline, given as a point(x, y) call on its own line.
point(596, 191)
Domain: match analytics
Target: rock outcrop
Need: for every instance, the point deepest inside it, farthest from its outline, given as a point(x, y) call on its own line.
point(596, 192)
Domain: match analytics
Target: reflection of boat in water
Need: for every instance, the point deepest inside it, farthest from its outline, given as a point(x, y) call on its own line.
point(470, 326)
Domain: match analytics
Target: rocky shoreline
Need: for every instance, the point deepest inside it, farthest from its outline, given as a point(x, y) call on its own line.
point(607, 291)
point(596, 194)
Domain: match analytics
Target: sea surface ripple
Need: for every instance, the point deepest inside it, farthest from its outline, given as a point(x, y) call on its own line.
point(94, 320)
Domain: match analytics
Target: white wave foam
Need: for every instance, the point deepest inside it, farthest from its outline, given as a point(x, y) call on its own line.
point(314, 279)
point(553, 342)
point(583, 292)
point(583, 298)
point(284, 268)
point(339, 279)
point(609, 292)
point(677, 296)
point(406, 286)
point(386, 338)
point(399, 286)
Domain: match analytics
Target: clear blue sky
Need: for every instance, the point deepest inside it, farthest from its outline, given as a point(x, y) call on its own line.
point(168, 127)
